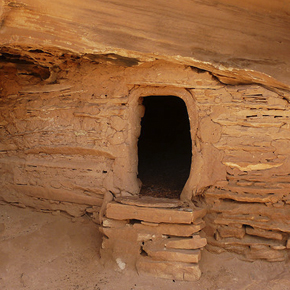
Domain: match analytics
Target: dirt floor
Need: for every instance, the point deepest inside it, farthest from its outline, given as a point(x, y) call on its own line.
point(45, 251)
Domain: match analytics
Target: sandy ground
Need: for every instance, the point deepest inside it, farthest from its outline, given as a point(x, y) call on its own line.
point(44, 251)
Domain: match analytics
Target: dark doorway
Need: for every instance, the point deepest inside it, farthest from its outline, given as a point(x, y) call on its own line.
point(164, 147)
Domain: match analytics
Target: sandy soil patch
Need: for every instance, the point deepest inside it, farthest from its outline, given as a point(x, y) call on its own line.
point(41, 251)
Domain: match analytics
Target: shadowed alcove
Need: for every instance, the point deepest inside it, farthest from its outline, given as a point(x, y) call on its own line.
point(164, 147)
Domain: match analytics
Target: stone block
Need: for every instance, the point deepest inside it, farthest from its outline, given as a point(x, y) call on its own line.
point(156, 215)
point(246, 241)
point(179, 230)
point(264, 233)
point(168, 270)
point(238, 249)
point(265, 253)
point(158, 252)
point(109, 223)
point(231, 232)
point(194, 242)
point(214, 249)
point(253, 248)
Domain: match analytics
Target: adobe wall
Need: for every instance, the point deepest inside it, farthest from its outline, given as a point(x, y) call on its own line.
point(68, 136)
point(71, 137)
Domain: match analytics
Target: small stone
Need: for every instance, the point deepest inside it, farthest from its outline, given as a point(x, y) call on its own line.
point(118, 138)
point(89, 210)
point(281, 247)
point(120, 263)
point(118, 123)
point(228, 232)
point(55, 184)
point(125, 193)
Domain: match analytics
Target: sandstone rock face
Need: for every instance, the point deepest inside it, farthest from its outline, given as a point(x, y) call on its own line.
point(71, 94)
point(252, 34)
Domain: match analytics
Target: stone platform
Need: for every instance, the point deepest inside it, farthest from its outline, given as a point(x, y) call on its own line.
point(156, 236)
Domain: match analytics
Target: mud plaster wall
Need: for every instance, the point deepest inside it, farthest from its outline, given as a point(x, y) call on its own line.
point(67, 135)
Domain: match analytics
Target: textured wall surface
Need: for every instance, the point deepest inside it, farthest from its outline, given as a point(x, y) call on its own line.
point(69, 135)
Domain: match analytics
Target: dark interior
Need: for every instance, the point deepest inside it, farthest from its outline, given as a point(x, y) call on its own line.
point(164, 147)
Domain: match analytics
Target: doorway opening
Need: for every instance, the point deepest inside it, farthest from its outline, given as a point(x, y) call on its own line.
point(164, 147)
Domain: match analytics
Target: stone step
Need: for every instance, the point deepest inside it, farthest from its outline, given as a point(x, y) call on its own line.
point(188, 243)
point(157, 251)
point(149, 201)
point(168, 270)
point(179, 230)
point(120, 211)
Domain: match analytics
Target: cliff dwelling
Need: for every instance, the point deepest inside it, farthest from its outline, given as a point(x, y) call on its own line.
point(173, 144)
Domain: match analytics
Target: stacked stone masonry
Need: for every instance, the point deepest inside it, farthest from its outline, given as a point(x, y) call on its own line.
point(69, 127)
point(249, 212)
point(157, 236)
